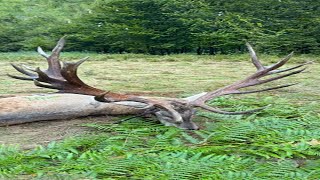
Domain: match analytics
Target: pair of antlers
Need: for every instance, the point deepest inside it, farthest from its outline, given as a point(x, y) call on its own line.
point(64, 78)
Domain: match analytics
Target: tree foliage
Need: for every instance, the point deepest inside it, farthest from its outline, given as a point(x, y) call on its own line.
point(162, 27)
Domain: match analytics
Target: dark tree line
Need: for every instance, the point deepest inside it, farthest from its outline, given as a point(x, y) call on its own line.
point(162, 26)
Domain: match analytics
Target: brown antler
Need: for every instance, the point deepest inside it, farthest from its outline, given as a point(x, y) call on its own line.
point(65, 79)
point(253, 80)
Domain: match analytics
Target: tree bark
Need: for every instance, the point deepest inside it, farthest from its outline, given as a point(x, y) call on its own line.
point(23, 109)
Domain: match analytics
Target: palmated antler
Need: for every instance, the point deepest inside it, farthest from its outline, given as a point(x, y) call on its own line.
point(252, 80)
point(64, 78)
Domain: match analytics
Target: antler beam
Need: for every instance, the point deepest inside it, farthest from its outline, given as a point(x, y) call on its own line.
point(252, 80)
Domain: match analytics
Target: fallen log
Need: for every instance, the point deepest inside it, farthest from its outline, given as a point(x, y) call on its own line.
point(39, 107)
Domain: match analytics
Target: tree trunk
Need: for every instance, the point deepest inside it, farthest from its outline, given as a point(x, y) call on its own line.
point(199, 50)
point(22, 109)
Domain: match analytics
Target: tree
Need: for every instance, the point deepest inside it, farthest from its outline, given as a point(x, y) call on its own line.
point(162, 27)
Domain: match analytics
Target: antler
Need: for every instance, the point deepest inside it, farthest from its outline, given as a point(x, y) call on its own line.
point(64, 78)
point(177, 112)
point(253, 80)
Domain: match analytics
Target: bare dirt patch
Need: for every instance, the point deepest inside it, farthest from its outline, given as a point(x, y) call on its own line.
point(29, 135)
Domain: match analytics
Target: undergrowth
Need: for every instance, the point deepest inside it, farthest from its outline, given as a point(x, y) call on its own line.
point(280, 142)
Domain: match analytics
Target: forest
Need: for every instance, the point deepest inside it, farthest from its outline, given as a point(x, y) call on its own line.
point(162, 27)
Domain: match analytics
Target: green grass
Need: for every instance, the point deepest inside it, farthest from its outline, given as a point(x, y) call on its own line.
point(281, 142)
point(25, 56)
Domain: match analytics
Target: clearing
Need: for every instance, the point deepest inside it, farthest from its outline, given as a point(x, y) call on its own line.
point(177, 76)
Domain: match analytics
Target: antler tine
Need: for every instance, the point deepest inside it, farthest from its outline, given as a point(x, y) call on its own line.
point(101, 97)
point(54, 66)
point(266, 89)
point(254, 58)
point(31, 76)
point(58, 48)
point(289, 69)
point(42, 53)
point(280, 63)
point(23, 71)
point(269, 69)
point(69, 71)
point(20, 77)
point(28, 68)
point(37, 83)
point(44, 77)
point(276, 78)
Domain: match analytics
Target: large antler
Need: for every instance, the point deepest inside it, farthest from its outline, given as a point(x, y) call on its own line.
point(177, 112)
point(64, 78)
point(253, 80)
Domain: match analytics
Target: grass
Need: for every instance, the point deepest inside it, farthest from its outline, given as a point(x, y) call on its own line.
point(281, 142)
point(26, 56)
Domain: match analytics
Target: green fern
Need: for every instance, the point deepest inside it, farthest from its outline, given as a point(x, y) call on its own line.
point(273, 144)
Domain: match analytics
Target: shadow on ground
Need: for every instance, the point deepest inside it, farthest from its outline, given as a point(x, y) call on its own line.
point(29, 135)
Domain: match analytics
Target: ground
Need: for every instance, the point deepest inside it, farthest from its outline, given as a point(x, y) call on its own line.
point(287, 131)
point(30, 135)
point(139, 76)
